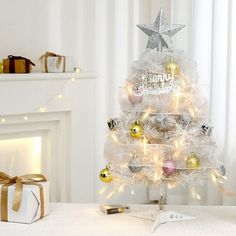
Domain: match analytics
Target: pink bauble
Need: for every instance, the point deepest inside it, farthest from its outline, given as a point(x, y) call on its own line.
point(169, 167)
point(135, 99)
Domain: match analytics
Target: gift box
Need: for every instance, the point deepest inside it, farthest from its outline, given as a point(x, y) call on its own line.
point(1, 67)
point(17, 64)
point(24, 199)
point(54, 63)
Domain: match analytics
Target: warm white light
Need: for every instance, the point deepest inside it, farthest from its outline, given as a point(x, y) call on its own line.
point(121, 188)
point(114, 138)
point(170, 186)
point(124, 166)
point(213, 177)
point(198, 197)
point(156, 177)
point(26, 118)
point(155, 158)
point(77, 70)
point(42, 109)
point(59, 96)
point(132, 192)
point(191, 111)
point(130, 91)
point(146, 114)
point(37, 142)
point(195, 195)
point(110, 195)
point(177, 144)
point(72, 79)
point(102, 190)
point(3, 120)
point(145, 145)
point(23, 154)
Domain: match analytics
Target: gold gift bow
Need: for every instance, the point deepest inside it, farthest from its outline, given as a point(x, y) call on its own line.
point(59, 60)
point(6, 181)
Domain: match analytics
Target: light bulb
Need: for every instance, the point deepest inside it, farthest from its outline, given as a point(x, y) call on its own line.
point(42, 109)
point(3, 120)
point(26, 118)
point(77, 69)
point(59, 96)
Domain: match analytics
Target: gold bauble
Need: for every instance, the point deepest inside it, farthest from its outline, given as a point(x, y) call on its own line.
point(172, 68)
point(136, 130)
point(105, 175)
point(193, 162)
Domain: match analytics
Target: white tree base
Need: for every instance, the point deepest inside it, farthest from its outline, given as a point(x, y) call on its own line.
point(161, 217)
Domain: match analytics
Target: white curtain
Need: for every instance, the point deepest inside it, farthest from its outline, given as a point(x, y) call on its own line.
point(210, 39)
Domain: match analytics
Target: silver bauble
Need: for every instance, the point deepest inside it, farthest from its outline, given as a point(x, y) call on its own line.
point(220, 168)
point(134, 165)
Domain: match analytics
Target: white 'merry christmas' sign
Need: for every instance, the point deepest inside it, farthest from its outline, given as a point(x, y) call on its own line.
point(153, 83)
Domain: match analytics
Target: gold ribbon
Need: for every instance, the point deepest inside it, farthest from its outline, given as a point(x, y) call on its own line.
point(19, 181)
point(59, 60)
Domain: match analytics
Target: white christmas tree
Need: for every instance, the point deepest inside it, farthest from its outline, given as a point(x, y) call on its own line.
point(163, 135)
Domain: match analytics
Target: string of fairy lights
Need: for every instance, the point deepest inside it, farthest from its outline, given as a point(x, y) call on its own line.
point(57, 95)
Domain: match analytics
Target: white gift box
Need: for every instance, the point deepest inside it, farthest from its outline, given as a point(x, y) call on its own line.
point(30, 208)
point(66, 64)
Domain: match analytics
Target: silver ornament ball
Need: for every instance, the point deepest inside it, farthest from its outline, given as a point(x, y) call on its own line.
point(134, 165)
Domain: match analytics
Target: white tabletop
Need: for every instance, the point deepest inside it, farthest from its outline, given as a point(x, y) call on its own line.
point(87, 220)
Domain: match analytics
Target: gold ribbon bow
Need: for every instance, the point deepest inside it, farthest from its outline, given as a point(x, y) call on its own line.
point(19, 181)
point(59, 60)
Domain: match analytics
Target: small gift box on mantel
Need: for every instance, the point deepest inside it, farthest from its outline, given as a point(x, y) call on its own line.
point(55, 63)
point(17, 64)
point(24, 199)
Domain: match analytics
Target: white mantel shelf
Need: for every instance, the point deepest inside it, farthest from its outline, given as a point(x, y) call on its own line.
point(46, 76)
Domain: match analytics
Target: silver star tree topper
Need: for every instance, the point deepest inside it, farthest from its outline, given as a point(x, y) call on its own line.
point(160, 33)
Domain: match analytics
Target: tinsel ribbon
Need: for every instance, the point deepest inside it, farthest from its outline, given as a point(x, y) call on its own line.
point(59, 60)
point(19, 181)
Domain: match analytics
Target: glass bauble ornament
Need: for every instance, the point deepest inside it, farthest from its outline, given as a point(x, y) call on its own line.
point(134, 164)
point(136, 130)
point(220, 168)
point(135, 99)
point(113, 123)
point(105, 175)
point(192, 162)
point(168, 167)
point(172, 68)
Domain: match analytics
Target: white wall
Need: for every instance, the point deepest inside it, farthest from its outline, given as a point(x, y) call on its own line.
point(29, 28)
point(100, 34)
point(68, 27)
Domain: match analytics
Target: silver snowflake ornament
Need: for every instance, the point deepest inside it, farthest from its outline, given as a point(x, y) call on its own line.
point(160, 33)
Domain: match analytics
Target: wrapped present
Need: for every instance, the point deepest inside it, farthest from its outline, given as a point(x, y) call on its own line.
point(1, 67)
point(54, 63)
point(24, 199)
point(17, 64)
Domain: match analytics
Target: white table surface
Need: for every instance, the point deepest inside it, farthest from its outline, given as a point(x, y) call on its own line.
point(87, 220)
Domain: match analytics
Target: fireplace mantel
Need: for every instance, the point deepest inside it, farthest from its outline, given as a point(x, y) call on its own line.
point(46, 76)
point(68, 123)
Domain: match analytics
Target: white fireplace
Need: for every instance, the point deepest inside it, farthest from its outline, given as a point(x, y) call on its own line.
point(42, 132)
